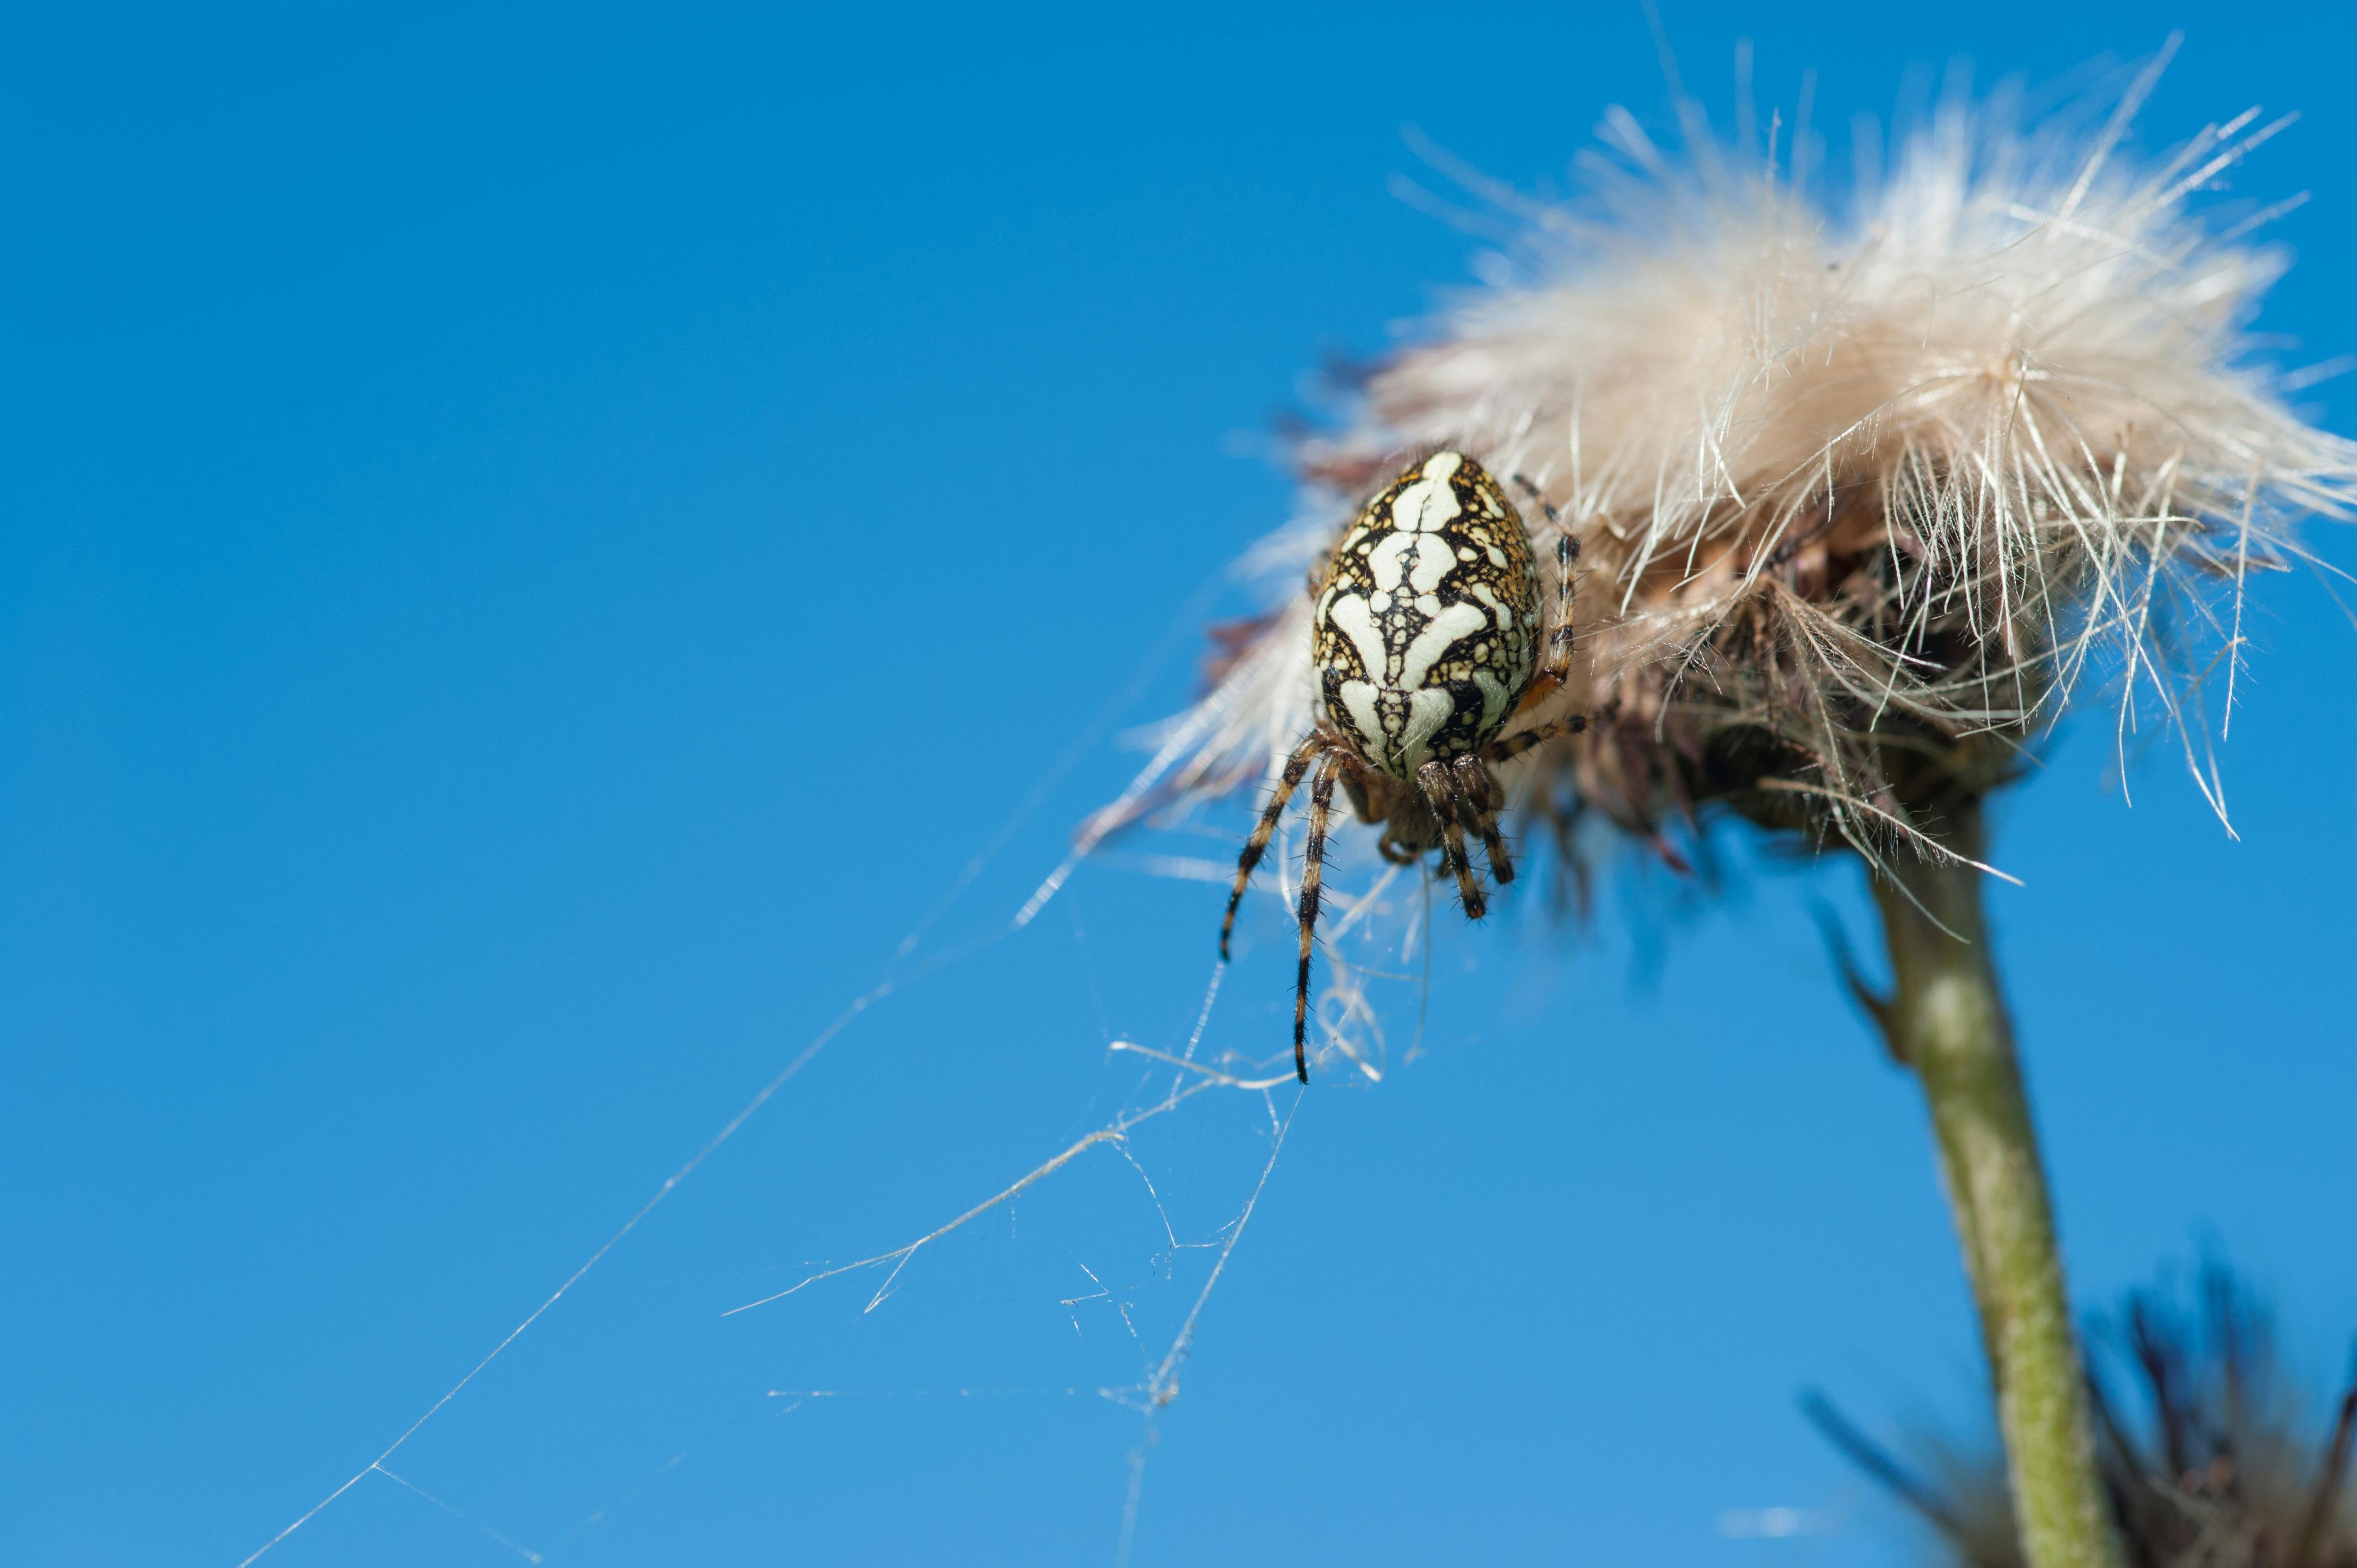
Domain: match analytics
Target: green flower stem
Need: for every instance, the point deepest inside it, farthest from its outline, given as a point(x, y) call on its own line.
point(1945, 1018)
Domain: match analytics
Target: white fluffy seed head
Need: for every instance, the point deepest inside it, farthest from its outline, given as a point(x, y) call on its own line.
point(1863, 499)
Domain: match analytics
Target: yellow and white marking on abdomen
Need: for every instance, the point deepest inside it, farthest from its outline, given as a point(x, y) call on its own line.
point(1426, 630)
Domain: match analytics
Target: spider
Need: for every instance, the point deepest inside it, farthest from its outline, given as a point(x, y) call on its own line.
point(1425, 631)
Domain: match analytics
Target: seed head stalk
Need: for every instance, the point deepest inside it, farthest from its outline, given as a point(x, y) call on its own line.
point(1945, 1020)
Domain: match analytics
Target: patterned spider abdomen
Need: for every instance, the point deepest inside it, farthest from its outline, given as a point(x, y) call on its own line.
point(1425, 631)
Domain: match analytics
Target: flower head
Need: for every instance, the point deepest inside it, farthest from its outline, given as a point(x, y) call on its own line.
point(1865, 499)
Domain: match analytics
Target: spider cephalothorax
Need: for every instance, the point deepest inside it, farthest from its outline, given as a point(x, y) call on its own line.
point(1424, 632)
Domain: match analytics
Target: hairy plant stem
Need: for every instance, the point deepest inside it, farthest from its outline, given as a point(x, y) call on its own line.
point(1945, 1019)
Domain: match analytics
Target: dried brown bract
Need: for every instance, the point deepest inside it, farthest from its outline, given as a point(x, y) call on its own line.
point(2206, 1458)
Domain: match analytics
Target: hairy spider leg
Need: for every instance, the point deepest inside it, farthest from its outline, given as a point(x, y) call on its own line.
point(1313, 879)
point(1478, 789)
point(1539, 496)
point(1556, 667)
point(1514, 745)
point(1258, 846)
point(1439, 787)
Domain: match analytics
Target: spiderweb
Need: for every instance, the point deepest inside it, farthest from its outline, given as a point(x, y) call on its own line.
point(1117, 1213)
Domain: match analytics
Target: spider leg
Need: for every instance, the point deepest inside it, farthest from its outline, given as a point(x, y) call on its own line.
point(1258, 846)
point(1554, 668)
point(1514, 745)
point(1558, 666)
point(1539, 496)
point(1468, 885)
point(1483, 799)
point(1313, 877)
point(1440, 790)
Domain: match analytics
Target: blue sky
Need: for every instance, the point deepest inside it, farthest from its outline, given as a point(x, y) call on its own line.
point(544, 545)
